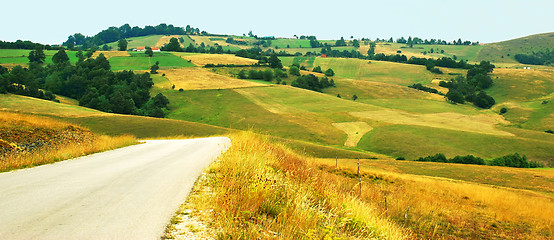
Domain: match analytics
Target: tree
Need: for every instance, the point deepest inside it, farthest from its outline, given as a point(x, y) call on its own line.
point(155, 67)
point(354, 97)
point(317, 69)
point(455, 96)
point(242, 74)
point(329, 72)
point(60, 57)
point(37, 56)
point(294, 70)
point(356, 43)
point(149, 52)
point(275, 62)
point(122, 45)
point(173, 45)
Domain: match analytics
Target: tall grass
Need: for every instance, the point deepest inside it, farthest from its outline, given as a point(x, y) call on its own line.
point(59, 150)
point(261, 190)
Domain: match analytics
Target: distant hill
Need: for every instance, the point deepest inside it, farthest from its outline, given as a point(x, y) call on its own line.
point(506, 50)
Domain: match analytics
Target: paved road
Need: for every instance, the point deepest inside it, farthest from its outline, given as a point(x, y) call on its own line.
point(129, 193)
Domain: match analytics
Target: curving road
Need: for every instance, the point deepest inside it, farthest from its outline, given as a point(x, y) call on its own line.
point(128, 193)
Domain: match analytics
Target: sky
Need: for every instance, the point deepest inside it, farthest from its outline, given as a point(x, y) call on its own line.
point(486, 21)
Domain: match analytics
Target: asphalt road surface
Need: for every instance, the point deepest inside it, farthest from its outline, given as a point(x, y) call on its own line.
point(129, 193)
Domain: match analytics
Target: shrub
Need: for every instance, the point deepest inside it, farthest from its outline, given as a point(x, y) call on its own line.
point(503, 110)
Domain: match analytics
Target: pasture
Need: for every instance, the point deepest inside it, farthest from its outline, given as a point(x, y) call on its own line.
point(198, 78)
point(139, 61)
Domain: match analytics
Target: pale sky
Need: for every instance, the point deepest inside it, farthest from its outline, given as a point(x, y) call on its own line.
point(51, 22)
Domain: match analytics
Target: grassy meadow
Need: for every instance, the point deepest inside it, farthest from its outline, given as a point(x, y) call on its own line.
point(260, 189)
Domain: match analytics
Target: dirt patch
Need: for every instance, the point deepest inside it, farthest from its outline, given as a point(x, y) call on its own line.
point(203, 59)
point(197, 78)
point(483, 123)
point(354, 130)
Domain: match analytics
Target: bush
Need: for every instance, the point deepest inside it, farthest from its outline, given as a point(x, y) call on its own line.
point(503, 110)
point(515, 160)
point(329, 72)
point(400, 158)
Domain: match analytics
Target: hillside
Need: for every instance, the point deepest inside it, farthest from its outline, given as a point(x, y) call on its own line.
point(505, 51)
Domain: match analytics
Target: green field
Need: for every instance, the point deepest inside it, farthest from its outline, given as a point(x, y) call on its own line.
point(506, 50)
point(138, 42)
point(19, 56)
point(139, 61)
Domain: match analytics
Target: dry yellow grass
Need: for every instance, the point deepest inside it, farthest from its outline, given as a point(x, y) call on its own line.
point(110, 54)
point(203, 59)
point(260, 190)
point(482, 123)
point(197, 79)
point(354, 130)
point(165, 40)
point(444, 208)
point(75, 142)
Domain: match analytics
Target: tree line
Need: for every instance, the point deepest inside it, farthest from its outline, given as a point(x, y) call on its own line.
point(19, 44)
point(511, 160)
point(90, 81)
point(114, 34)
point(545, 57)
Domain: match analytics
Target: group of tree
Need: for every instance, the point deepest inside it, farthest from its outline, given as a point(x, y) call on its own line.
point(26, 45)
point(114, 34)
point(231, 40)
point(175, 46)
point(329, 72)
point(411, 41)
point(536, 58)
point(420, 87)
point(311, 82)
point(510, 160)
point(471, 88)
point(90, 81)
point(266, 75)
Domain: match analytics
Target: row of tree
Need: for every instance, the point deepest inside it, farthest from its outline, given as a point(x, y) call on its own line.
point(26, 45)
point(90, 81)
point(114, 34)
point(536, 58)
point(510, 160)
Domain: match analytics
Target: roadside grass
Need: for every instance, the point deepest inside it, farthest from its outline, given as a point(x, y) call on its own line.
point(438, 208)
point(28, 141)
point(259, 189)
point(200, 78)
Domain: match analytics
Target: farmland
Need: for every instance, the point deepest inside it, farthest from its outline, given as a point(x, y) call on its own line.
point(293, 137)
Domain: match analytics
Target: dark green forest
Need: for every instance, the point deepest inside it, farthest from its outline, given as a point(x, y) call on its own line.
point(90, 81)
